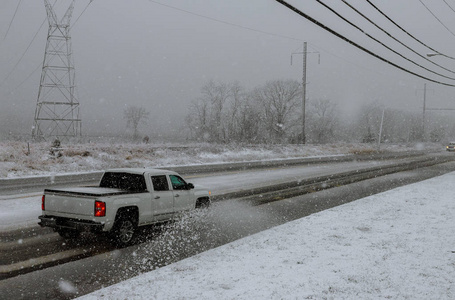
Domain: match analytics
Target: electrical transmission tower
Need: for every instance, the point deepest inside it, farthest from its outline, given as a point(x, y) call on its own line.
point(57, 108)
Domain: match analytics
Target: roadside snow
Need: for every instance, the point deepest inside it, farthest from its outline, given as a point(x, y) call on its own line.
point(19, 159)
point(20, 212)
point(394, 245)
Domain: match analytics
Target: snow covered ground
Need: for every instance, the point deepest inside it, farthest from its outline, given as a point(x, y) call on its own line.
point(19, 159)
point(395, 245)
point(20, 212)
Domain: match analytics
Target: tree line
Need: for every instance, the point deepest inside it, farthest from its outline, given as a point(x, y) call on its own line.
point(272, 113)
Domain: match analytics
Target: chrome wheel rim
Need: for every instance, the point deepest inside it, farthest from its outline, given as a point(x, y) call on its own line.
point(126, 231)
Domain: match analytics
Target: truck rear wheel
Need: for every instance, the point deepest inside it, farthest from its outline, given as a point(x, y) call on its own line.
point(124, 231)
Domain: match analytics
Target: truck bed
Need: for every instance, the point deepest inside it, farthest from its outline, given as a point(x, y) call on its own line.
point(88, 191)
point(77, 202)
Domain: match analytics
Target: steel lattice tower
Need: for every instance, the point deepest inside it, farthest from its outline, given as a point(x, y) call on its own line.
point(57, 108)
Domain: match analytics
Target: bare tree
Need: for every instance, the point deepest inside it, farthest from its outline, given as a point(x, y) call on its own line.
point(398, 126)
point(211, 116)
point(198, 119)
point(323, 121)
point(135, 116)
point(280, 101)
point(216, 95)
point(248, 122)
point(369, 122)
point(236, 97)
point(226, 113)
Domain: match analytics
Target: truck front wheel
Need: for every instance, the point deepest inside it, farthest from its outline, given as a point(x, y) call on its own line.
point(203, 202)
point(124, 231)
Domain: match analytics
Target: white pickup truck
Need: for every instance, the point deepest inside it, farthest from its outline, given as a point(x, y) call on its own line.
point(124, 200)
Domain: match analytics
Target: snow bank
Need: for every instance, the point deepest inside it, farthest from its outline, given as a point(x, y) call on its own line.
point(394, 245)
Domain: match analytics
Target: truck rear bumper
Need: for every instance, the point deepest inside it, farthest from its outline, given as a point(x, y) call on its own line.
point(75, 224)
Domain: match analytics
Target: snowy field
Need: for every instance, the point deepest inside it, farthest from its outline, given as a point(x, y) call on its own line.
point(18, 159)
point(394, 245)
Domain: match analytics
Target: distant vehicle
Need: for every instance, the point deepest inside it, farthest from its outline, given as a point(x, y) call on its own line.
point(451, 146)
point(124, 200)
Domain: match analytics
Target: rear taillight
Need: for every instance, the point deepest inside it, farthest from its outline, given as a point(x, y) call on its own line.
point(42, 202)
point(100, 209)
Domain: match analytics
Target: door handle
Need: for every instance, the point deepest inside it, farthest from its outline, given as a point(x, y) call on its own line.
point(157, 197)
point(177, 195)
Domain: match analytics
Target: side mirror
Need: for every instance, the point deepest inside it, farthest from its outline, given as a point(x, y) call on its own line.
point(190, 186)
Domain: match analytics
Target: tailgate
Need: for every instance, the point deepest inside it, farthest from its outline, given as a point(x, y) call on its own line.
point(69, 204)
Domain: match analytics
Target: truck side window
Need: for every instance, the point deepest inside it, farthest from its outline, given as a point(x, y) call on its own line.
point(178, 183)
point(160, 183)
point(124, 181)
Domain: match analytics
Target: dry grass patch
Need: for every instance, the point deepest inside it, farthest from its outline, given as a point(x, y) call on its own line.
point(76, 152)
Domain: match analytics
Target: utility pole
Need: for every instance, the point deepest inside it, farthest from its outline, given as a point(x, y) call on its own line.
point(380, 129)
point(424, 108)
point(304, 83)
point(304, 93)
point(425, 90)
point(57, 109)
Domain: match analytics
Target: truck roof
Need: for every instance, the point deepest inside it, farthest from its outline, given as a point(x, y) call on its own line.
point(141, 171)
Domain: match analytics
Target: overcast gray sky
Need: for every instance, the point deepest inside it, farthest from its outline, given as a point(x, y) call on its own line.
point(152, 55)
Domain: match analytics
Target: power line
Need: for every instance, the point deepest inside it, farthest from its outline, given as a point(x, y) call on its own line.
point(81, 14)
point(343, 59)
point(227, 23)
point(439, 20)
point(25, 80)
point(9, 74)
point(26, 50)
point(299, 12)
point(12, 19)
point(449, 5)
point(379, 42)
point(395, 39)
point(405, 31)
point(23, 54)
point(263, 32)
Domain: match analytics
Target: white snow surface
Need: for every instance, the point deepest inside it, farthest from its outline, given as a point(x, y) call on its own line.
point(19, 212)
point(394, 245)
point(20, 159)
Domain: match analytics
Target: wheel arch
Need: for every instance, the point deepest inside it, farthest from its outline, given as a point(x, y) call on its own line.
point(203, 202)
point(130, 211)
